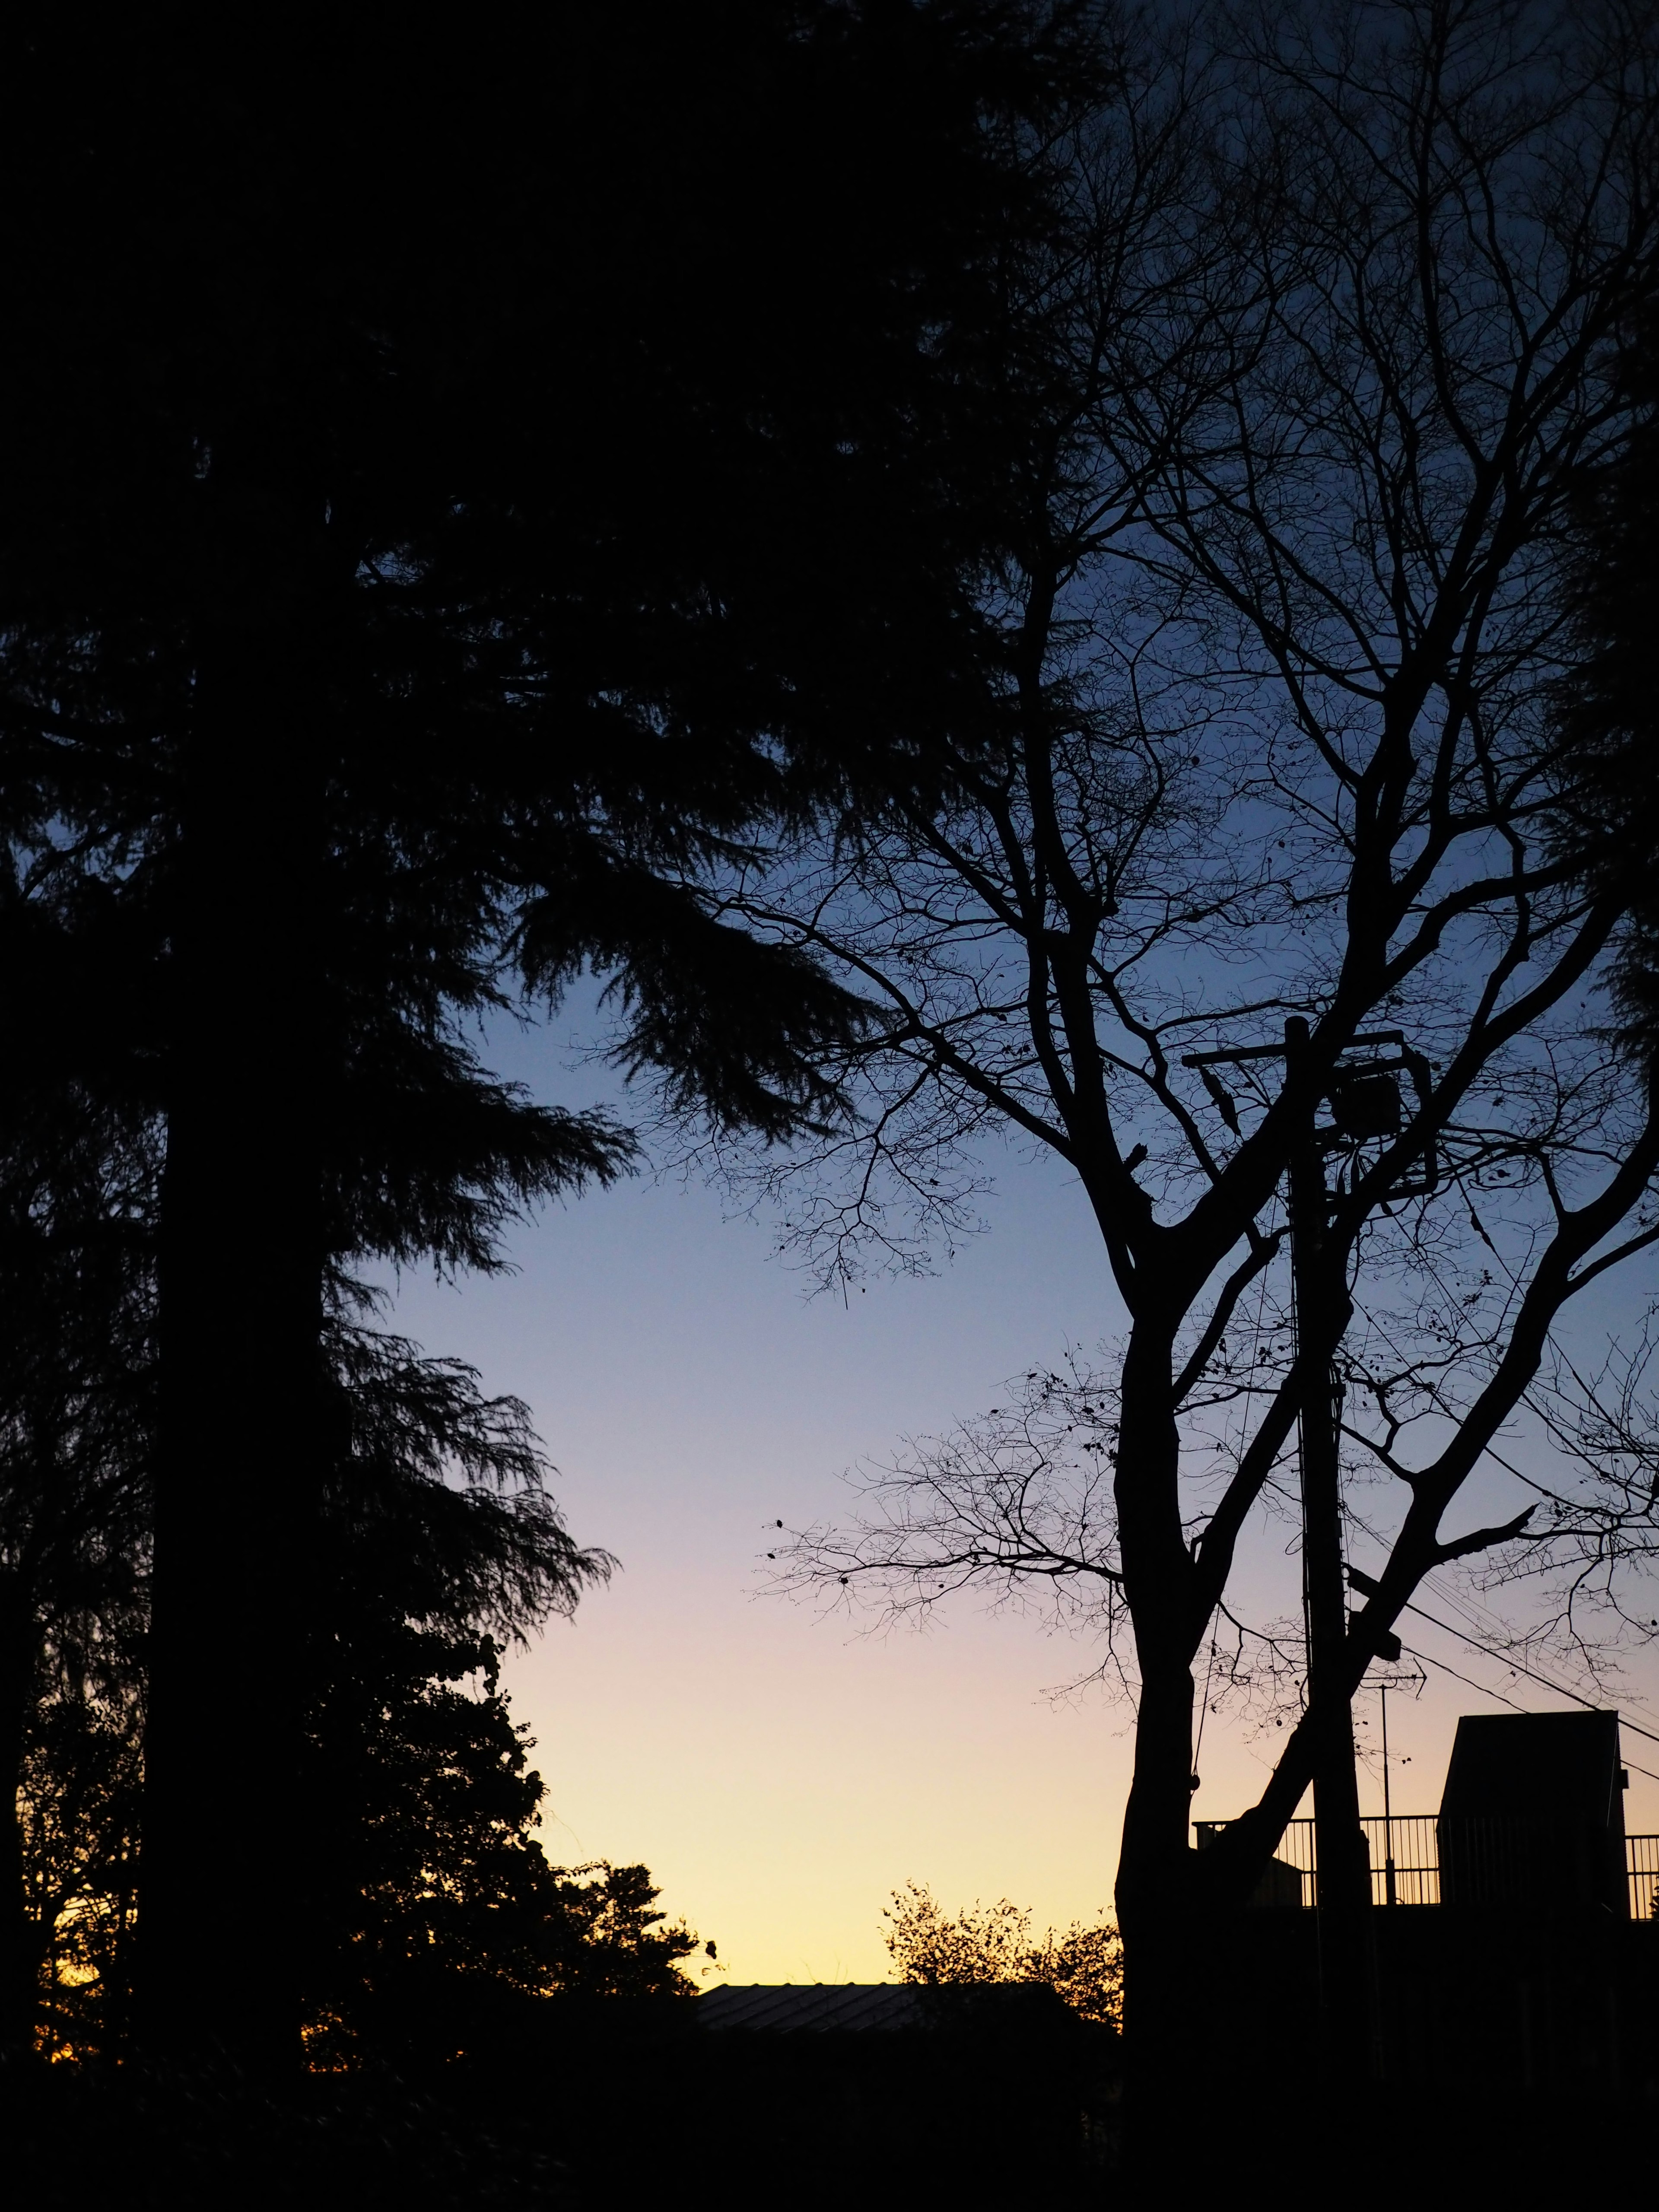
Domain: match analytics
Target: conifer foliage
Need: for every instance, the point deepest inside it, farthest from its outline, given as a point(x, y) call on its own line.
point(460, 489)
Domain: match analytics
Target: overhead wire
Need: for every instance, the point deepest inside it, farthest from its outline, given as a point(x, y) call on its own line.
point(1515, 1667)
point(1494, 1628)
point(1485, 1690)
point(1463, 1606)
point(1450, 1599)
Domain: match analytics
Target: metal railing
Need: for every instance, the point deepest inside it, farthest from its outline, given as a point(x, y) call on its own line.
point(1404, 1859)
point(1642, 1864)
point(1405, 1856)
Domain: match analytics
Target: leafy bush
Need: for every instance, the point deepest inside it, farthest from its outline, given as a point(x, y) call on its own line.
point(993, 1943)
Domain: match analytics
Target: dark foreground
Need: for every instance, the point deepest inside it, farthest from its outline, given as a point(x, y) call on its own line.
point(1520, 2057)
point(200, 2143)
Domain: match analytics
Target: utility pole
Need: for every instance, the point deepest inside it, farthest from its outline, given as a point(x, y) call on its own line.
point(1364, 1097)
point(1343, 1885)
point(1388, 1803)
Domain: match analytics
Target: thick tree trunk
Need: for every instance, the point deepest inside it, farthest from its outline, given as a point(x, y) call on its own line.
point(1155, 1893)
point(238, 1457)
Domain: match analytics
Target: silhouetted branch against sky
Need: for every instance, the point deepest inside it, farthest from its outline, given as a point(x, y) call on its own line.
point(1332, 345)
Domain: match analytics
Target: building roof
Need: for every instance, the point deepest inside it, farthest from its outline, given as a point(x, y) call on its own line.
point(879, 2008)
point(793, 2008)
point(1537, 1766)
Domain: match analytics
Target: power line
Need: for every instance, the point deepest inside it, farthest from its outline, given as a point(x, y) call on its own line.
point(1514, 1666)
point(1466, 1680)
point(1469, 1682)
point(1449, 1598)
point(1489, 1624)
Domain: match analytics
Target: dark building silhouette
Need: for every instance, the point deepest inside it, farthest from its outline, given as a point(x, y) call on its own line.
point(832, 2008)
point(1516, 1953)
point(1533, 1813)
point(921, 2091)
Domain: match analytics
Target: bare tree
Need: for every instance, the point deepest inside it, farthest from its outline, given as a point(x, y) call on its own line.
point(1269, 741)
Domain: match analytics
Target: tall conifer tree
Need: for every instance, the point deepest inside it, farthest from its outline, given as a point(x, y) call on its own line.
point(454, 489)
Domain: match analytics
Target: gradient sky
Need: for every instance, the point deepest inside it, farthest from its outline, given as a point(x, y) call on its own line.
point(780, 1774)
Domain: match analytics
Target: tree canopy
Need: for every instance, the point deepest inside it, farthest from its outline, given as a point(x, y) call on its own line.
point(1266, 799)
point(994, 1943)
point(449, 513)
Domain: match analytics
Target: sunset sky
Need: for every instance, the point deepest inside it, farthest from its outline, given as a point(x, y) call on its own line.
point(780, 1774)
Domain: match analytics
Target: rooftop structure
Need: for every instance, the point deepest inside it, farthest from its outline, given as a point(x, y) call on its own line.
point(1532, 1815)
point(1533, 1812)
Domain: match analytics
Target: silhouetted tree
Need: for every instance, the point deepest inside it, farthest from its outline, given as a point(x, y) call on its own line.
point(994, 1943)
point(444, 495)
point(79, 1800)
point(606, 1937)
point(1597, 1403)
point(430, 1917)
point(438, 1927)
point(433, 1157)
point(1611, 775)
point(78, 1184)
point(426, 1905)
point(1273, 740)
